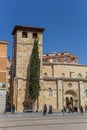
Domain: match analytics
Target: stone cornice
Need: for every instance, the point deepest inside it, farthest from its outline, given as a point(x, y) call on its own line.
point(4, 42)
point(48, 78)
point(65, 64)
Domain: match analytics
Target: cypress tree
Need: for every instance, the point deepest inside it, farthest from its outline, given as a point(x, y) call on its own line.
point(34, 85)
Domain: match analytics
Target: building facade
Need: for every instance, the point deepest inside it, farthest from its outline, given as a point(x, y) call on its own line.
point(3, 74)
point(22, 48)
point(8, 88)
point(63, 57)
point(63, 80)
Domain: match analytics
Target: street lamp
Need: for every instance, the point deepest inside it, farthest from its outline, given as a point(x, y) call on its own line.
point(62, 95)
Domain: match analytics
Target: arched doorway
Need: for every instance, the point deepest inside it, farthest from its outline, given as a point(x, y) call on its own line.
point(69, 101)
point(71, 98)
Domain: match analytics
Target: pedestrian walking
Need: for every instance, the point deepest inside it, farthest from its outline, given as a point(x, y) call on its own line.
point(50, 109)
point(81, 109)
point(85, 107)
point(45, 110)
point(13, 109)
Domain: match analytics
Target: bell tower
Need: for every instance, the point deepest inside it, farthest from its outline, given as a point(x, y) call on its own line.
point(24, 37)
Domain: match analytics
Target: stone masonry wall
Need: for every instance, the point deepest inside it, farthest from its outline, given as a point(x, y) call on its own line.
point(24, 49)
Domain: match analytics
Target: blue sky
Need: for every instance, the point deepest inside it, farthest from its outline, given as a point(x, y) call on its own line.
point(65, 23)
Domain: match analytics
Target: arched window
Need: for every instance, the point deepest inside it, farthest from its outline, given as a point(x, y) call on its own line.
point(50, 92)
point(24, 34)
point(63, 74)
point(67, 101)
point(69, 84)
point(35, 36)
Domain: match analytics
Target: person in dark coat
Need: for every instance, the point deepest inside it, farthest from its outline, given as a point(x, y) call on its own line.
point(50, 109)
point(13, 108)
point(81, 109)
point(45, 110)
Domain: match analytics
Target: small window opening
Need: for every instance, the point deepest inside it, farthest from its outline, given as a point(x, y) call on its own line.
point(24, 34)
point(65, 59)
point(50, 92)
point(58, 59)
point(34, 35)
point(45, 74)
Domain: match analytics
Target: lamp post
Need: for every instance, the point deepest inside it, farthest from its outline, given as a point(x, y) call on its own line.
point(62, 95)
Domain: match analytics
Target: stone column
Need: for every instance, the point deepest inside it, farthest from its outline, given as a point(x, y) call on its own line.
point(57, 93)
point(82, 102)
point(60, 107)
point(79, 100)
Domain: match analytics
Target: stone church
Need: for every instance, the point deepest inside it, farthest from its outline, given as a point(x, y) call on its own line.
point(63, 80)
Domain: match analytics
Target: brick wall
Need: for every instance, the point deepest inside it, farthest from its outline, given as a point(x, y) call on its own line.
point(3, 61)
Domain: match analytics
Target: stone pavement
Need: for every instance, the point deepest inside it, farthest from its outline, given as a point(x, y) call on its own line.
point(36, 121)
point(10, 116)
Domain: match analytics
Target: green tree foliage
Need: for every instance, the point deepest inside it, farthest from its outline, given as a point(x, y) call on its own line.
point(34, 85)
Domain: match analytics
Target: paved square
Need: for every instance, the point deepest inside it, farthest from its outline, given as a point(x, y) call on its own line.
point(36, 121)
